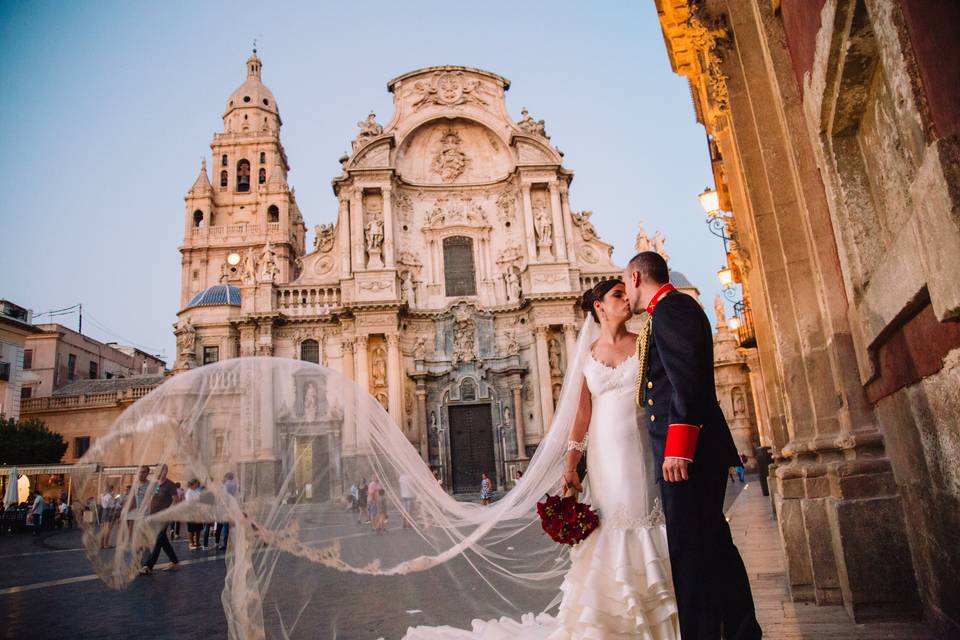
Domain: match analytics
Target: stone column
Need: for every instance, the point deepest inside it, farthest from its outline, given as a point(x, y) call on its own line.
point(559, 232)
point(394, 379)
point(388, 233)
point(570, 340)
point(344, 236)
point(518, 418)
point(423, 425)
point(360, 361)
point(346, 348)
point(528, 224)
point(543, 375)
point(568, 229)
point(356, 230)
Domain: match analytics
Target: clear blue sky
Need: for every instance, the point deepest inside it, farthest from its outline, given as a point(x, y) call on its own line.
point(108, 107)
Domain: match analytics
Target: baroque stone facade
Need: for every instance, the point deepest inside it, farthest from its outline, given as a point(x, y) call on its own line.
point(834, 133)
point(445, 285)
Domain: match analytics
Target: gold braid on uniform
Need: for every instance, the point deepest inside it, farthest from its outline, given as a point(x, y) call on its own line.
point(643, 355)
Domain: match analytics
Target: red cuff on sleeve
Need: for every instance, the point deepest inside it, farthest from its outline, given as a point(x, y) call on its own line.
point(681, 441)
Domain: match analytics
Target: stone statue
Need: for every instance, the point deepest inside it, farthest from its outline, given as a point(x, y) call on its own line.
point(409, 290)
point(719, 310)
point(658, 242)
point(420, 348)
point(543, 227)
point(513, 285)
point(643, 241)
point(513, 346)
point(449, 162)
point(506, 417)
point(433, 421)
point(373, 238)
point(582, 221)
point(369, 128)
point(463, 341)
point(187, 339)
point(530, 126)
point(310, 402)
point(325, 235)
point(269, 269)
point(553, 357)
point(224, 272)
point(249, 267)
point(739, 404)
point(379, 369)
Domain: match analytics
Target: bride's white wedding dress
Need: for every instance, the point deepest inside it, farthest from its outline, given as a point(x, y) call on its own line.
point(619, 583)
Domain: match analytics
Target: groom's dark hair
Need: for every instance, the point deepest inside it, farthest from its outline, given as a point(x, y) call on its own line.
point(651, 266)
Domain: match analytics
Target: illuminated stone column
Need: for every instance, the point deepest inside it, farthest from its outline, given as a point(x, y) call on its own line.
point(356, 230)
point(519, 419)
point(422, 419)
point(570, 340)
point(528, 224)
point(559, 230)
point(388, 243)
point(543, 375)
point(344, 236)
point(394, 379)
point(568, 230)
point(360, 361)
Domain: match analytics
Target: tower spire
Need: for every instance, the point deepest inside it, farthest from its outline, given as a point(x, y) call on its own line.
point(254, 64)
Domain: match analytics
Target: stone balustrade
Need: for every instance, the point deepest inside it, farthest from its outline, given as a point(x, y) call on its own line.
point(308, 300)
point(84, 400)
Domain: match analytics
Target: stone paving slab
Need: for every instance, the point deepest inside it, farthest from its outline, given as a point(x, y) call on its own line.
point(755, 532)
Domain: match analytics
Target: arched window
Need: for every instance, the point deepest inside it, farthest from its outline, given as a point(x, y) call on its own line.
point(273, 214)
point(310, 351)
point(458, 269)
point(262, 177)
point(243, 176)
point(223, 160)
point(263, 158)
point(223, 178)
point(198, 218)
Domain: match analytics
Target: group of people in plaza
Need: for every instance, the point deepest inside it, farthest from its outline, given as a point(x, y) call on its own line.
point(41, 513)
point(369, 501)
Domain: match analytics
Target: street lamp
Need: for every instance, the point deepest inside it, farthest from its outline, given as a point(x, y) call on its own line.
point(725, 274)
point(233, 259)
point(710, 201)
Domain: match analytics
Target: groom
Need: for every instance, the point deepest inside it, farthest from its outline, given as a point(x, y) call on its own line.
point(692, 448)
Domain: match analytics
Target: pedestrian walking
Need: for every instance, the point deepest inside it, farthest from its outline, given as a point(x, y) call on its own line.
point(164, 493)
point(193, 528)
point(363, 491)
point(231, 487)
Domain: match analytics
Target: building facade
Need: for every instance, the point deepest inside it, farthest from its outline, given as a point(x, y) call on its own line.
point(445, 286)
point(834, 132)
point(15, 327)
point(56, 356)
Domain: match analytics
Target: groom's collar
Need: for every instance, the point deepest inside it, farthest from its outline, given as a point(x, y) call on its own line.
point(658, 296)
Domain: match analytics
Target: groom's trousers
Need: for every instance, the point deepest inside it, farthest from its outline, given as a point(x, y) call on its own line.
point(713, 592)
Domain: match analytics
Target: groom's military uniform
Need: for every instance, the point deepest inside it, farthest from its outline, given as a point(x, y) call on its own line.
point(676, 389)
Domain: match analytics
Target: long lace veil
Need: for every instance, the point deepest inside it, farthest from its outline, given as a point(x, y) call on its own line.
point(301, 563)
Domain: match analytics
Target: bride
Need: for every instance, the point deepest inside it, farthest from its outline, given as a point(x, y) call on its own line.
point(619, 583)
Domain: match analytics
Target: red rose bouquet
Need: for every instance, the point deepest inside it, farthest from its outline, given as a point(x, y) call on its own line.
point(565, 520)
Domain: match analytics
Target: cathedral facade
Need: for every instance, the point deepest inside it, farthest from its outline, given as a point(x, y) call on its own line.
point(445, 287)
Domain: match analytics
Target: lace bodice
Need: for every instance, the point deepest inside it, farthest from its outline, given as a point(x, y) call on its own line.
point(602, 378)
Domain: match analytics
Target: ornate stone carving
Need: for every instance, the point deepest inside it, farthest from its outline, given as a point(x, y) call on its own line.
point(411, 262)
point(403, 205)
point(249, 267)
point(186, 339)
point(325, 235)
point(224, 272)
point(465, 212)
point(464, 337)
point(513, 345)
point(719, 310)
point(708, 36)
point(542, 224)
point(373, 241)
point(643, 241)
point(269, 269)
point(378, 156)
point(531, 126)
point(588, 254)
point(369, 128)
point(507, 205)
point(582, 222)
point(375, 285)
point(658, 242)
point(420, 348)
point(378, 367)
point(447, 88)
point(323, 266)
point(409, 290)
point(549, 278)
point(449, 161)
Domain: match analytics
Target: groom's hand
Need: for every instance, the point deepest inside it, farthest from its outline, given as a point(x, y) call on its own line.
point(675, 469)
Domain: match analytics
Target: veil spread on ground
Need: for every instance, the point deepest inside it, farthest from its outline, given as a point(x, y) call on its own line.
point(297, 436)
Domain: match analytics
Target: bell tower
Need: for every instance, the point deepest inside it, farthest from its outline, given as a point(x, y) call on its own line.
point(245, 207)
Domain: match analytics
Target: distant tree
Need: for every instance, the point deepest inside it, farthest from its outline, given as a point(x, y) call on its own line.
point(29, 442)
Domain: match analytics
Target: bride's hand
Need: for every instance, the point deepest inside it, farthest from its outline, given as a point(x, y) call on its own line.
point(571, 482)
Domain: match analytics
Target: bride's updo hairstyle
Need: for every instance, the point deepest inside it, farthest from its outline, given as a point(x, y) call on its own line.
point(595, 294)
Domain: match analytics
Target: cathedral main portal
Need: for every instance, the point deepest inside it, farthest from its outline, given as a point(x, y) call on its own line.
point(472, 446)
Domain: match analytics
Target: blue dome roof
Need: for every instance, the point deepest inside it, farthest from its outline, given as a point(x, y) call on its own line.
point(217, 294)
point(680, 281)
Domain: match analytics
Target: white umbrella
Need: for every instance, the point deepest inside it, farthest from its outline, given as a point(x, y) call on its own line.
point(11, 497)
